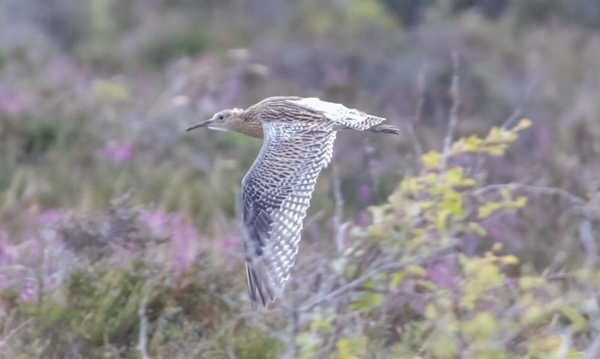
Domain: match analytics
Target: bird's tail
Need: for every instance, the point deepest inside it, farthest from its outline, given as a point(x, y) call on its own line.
point(385, 129)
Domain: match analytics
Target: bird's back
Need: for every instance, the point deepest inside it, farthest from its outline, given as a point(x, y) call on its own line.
point(294, 109)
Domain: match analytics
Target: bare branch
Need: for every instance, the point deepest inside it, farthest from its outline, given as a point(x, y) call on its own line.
point(453, 120)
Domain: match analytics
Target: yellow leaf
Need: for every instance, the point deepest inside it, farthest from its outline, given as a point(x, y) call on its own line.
point(528, 282)
point(468, 182)
point(431, 159)
point(472, 144)
point(497, 247)
point(415, 269)
point(396, 279)
point(452, 202)
point(321, 323)
point(487, 209)
point(477, 228)
point(523, 124)
point(496, 150)
point(510, 259)
point(109, 90)
point(444, 348)
point(578, 321)
point(481, 326)
point(350, 349)
point(520, 202)
point(430, 311)
point(489, 274)
point(532, 314)
point(441, 220)
point(367, 302)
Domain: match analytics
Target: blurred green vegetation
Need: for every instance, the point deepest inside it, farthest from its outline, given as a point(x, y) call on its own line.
point(481, 244)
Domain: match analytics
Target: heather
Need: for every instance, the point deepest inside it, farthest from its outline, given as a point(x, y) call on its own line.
point(472, 235)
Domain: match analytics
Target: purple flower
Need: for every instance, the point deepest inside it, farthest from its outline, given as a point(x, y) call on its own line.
point(442, 273)
point(228, 241)
point(115, 152)
point(8, 253)
point(65, 71)
point(363, 218)
point(39, 260)
point(30, 291)
point(184, 243)
point(10, 102)
point(364, 192)
point(156, 221)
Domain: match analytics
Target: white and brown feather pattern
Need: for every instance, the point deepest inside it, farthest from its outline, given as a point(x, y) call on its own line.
point(339, 113)
point(276, 195)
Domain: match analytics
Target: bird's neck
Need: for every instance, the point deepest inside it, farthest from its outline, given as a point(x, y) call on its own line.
point(249, 126)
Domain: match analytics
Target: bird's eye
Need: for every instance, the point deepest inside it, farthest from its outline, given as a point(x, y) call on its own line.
point(220, 117)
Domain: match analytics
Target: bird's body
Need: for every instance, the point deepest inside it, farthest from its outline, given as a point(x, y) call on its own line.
point(298, 142)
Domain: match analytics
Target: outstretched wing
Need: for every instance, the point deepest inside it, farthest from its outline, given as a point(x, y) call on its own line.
point(339, 113)
point(276, 193)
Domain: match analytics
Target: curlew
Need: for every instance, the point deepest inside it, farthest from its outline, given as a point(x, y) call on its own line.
point(298, 141)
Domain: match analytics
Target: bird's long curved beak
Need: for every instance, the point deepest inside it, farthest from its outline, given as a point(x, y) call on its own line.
point(199, 124)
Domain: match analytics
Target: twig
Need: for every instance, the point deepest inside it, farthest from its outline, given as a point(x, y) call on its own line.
point(593, 349)
point(143, 339)
point(410, 125)
point(453, 120)
point(294, 330)
point(377, 268)
point(518, 112)
point(13, 332)
point(369, 151)
point(339, 208)
point(586, 236)
point(230, 352)
point(575, 200)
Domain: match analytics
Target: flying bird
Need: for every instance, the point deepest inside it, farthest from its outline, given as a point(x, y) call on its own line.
point(298, 135)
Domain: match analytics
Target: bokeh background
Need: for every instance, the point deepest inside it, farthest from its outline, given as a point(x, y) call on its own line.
point(119, 232)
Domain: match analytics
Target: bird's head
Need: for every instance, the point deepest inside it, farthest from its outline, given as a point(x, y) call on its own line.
point(223, 120)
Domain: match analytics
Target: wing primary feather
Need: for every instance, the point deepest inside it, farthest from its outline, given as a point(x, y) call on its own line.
point(276, 196)
point(258, 285)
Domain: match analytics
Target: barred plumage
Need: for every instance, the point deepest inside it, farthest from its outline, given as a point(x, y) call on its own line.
point(298, 142)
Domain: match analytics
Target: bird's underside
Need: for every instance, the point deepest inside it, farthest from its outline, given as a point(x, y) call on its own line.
point(277, 189)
